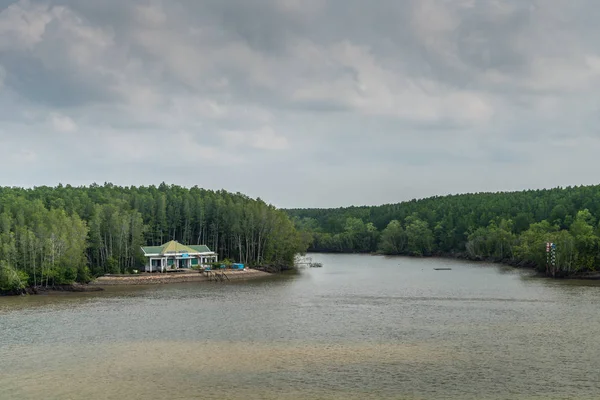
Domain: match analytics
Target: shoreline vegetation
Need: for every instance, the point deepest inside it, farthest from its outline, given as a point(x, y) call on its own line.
point(524, 265)
point(513, 228)
point(101, 282)
point(61, 238)
point(58, 237)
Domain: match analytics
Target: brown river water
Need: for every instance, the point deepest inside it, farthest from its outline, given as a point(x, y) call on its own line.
point(361, 327)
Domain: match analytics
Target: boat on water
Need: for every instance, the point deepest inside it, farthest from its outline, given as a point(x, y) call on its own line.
point(443, 269)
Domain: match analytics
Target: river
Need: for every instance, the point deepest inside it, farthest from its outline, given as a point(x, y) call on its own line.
point(361, 327)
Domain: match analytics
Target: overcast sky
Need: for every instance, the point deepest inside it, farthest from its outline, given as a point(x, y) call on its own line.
point(302, 102)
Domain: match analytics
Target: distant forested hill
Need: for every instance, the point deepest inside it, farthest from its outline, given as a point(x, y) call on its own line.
point(52, 235)
point(508, 226)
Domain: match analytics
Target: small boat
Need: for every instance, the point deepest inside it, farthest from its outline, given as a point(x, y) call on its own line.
point(442, 269)
point(316, 265)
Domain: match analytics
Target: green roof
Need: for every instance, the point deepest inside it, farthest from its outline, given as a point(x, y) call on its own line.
point(200, 248)
point(152, 249)
point(174, 247)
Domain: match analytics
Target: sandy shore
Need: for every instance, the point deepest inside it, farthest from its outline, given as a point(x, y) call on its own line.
point(178, 277)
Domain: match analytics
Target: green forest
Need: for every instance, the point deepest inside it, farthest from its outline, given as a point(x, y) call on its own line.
point(510, 227)
point(64, 234)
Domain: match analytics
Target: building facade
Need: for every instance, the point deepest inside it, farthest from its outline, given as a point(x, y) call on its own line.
point(174, 255)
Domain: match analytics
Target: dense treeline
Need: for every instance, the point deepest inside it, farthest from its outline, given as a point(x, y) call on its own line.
point(511, 227)
point(64, 234)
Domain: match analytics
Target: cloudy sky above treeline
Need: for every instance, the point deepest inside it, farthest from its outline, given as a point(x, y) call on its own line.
point(302, 102)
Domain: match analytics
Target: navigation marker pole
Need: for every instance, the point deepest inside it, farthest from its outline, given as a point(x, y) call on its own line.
point(547, 256)
point(550, 257)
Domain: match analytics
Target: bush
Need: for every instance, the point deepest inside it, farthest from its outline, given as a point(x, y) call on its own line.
point(226, 262)
point(12, 280)
point(68, 276)
point(217, 265)
point(83, 275)
point(113, 266)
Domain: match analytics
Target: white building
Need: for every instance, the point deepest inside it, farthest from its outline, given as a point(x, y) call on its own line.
point(174, 255)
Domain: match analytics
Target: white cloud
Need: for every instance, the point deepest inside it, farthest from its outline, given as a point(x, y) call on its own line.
point(63, 123)
point(267, 139)
point(23, 24)
point(264, 138)
point(373, 89)
point(564, 75)
point(150, 15)
point(140, 96)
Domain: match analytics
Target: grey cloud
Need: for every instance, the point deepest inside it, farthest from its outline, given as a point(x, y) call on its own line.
point(301, 102)
point(55, 87)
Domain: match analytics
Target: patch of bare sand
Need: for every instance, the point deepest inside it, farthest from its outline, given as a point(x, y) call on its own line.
point(163, 369)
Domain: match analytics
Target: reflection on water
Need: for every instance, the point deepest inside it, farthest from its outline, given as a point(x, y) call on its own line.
point(361, 327)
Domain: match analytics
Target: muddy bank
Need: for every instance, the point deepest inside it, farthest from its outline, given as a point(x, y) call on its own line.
point(75, 287)
point(180, 277)
point(505, 261)
point(586, 275)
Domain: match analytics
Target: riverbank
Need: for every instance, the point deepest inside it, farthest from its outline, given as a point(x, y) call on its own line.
point(584, 275)
point(139, 279)
point(74, 287)
point(179, 277)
